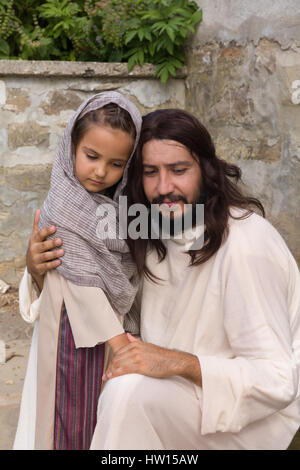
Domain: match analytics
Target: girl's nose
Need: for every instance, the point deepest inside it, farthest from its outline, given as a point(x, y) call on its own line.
point(100, 170)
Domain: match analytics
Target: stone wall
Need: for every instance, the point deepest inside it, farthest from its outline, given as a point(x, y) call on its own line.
point(244, 84)
point(36, 101)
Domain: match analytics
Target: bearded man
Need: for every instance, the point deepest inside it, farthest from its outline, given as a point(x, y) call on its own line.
point(218, 359)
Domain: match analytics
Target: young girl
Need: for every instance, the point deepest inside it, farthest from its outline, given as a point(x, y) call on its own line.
point(83, 300)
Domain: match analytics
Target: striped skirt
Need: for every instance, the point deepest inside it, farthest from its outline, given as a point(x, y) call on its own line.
point(78, 382)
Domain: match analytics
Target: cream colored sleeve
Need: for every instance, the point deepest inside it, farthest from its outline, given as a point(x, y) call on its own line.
point(29, 298)
point(91, 316)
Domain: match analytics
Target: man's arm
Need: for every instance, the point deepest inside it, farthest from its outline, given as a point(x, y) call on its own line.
point(39, 258)
point(151, 360)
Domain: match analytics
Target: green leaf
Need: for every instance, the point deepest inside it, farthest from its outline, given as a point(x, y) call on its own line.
point(72, 56)
point(170, 48)
point(130, 35)
point(132, 61)
point(163, 75)
point(131, 52)
point(141, 57)
point(115, 56)
point(175, 62)
point(159, 26)
point(183, 12)
point(134, 23)
point(171, 69)
point(183, 32)
point(141, 34)
point(191, 28)
point(4, 48)
point(170, 33)
point(176, 22)
point(196, 17)
point(152, 15)
point(148, 35)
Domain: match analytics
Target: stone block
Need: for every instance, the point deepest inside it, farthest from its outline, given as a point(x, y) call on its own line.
point(3, 141)
point(94, 86)
point(288, 74)
point(265, 55)
point(22, 191)
point(266, 150)
point(235, 107)
point(152, 93)
point(58, 101)
point(2, 93)
point(17, 100)
point(27, 134)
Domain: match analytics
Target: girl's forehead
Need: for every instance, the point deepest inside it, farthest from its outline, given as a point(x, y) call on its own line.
point(105, 140)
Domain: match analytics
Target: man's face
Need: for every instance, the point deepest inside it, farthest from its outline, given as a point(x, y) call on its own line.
point(171, 176)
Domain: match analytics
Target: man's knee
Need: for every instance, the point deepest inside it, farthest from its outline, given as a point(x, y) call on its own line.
point(136, 390)
point(124, 382)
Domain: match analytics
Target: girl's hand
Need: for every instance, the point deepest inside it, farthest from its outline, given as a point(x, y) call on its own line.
point(39, 259)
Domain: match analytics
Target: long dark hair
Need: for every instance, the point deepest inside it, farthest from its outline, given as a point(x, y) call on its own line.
point(220, 192)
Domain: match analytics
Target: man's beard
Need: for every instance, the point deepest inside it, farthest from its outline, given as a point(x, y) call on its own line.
point(167, 223)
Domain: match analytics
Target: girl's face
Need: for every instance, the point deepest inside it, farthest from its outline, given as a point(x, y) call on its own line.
point(101, 157)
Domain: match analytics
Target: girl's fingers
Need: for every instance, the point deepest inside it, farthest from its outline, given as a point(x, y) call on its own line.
point(49, 255)
point(48, 245)
point(41, 269)
point(44, 233)
point(36, 219)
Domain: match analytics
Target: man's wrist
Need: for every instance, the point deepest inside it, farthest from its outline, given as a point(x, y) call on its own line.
point(188, 366)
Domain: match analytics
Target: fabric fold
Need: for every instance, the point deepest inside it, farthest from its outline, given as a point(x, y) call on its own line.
point(29, 301)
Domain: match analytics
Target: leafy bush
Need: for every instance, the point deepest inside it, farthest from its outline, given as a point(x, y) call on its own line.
point(133, 31)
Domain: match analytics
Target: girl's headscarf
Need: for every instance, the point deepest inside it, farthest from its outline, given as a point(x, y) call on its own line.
point(90, 260)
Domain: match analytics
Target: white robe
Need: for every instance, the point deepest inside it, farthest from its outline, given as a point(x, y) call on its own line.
point(92, 321)
point(239, 313)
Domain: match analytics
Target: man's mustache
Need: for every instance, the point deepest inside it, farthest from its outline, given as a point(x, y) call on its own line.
point(170, 197)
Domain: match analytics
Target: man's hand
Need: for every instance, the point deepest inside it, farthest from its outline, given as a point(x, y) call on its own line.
point(151, 360)
point(39, 258)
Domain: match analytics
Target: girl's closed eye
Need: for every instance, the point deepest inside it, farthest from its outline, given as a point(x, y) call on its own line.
point(118, 165)
point(91, 157)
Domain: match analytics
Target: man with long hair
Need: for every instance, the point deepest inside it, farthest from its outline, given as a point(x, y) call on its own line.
point(218, 359)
